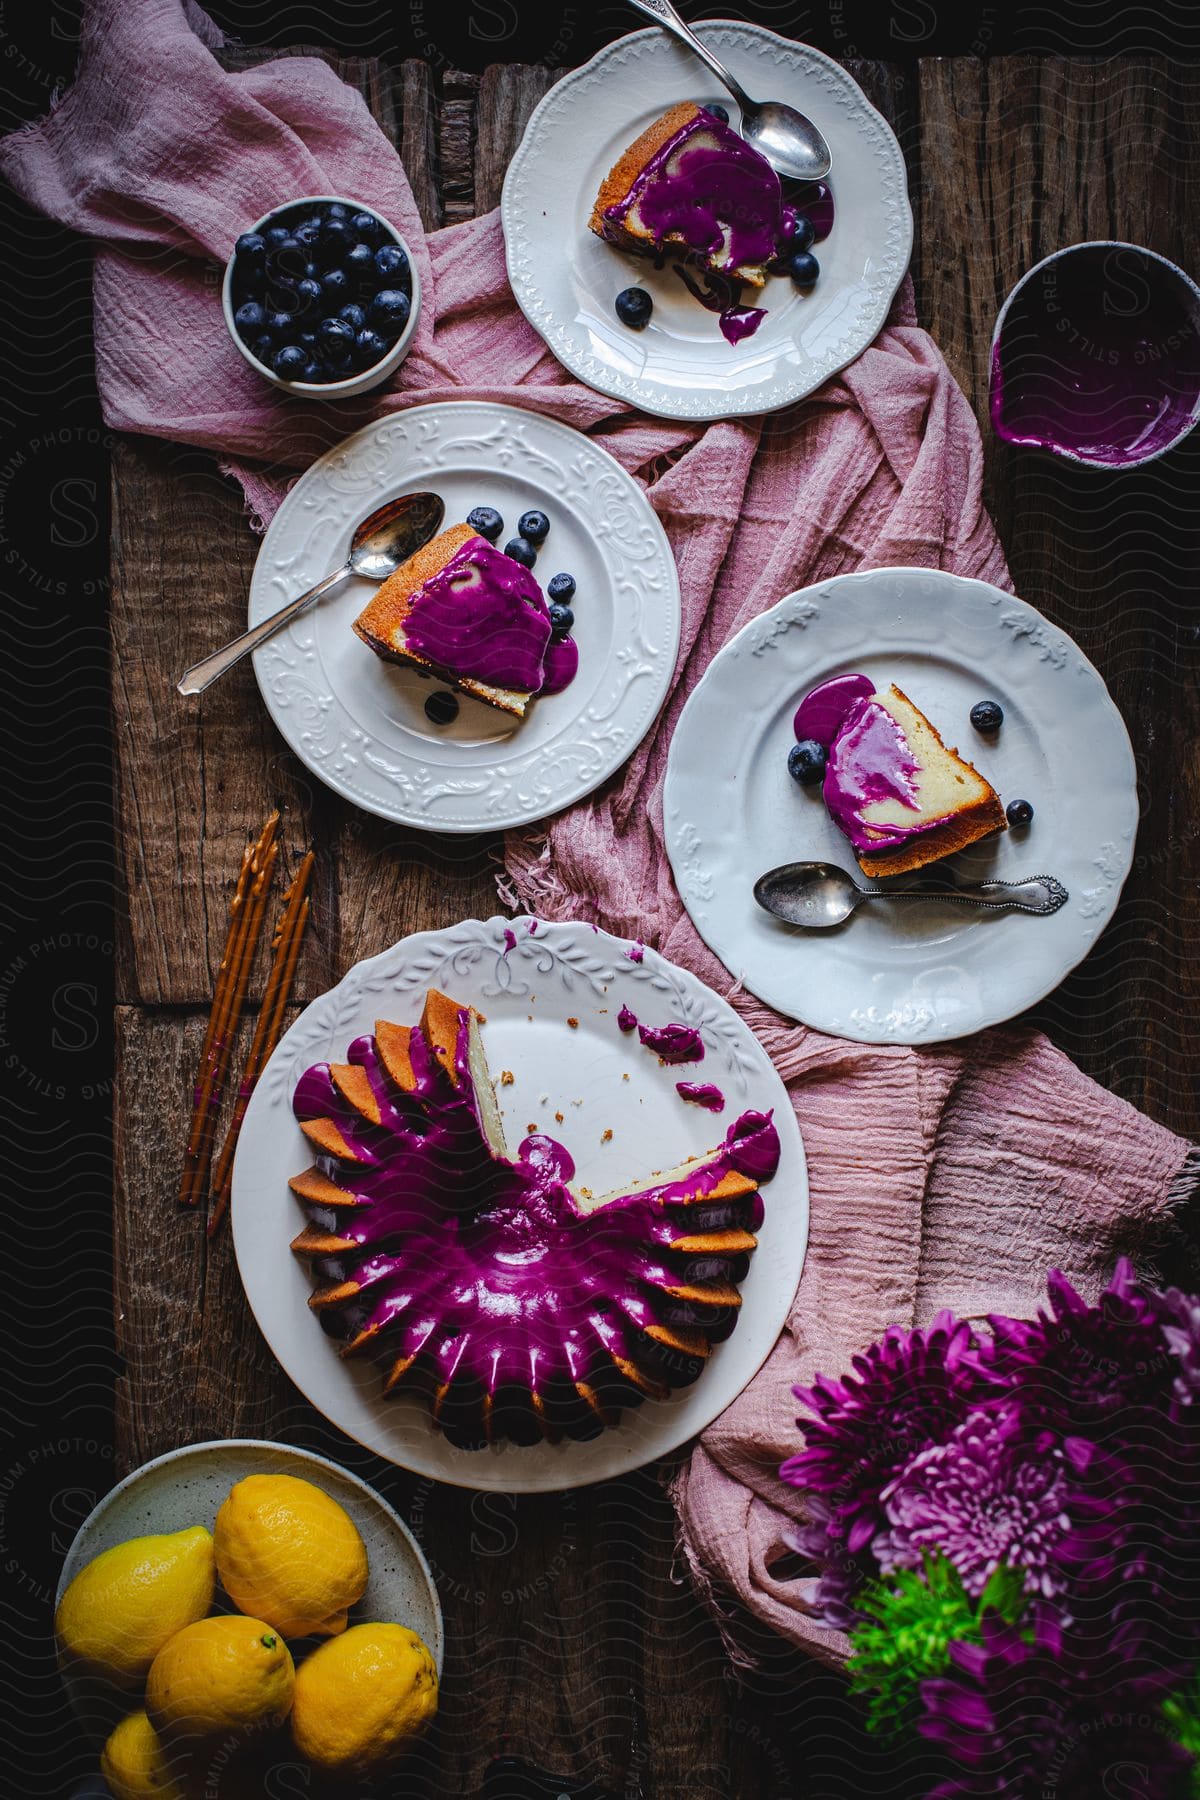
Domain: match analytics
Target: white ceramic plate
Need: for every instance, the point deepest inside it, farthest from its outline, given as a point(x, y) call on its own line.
point(186, 1487)
point(529, 983)
point(912, 973)
point(566, 279)
point(359, 723)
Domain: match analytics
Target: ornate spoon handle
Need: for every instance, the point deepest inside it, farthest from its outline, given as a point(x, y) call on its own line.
point(664, 14)
point(1045, 895)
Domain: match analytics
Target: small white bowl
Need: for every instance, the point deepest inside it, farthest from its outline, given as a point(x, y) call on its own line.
point(363, 380)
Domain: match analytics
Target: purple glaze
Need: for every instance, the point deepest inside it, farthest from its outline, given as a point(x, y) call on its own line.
point(672, 1043)
point(702, 1093)
point(720, 197)
point(483, 615)
point(738, 322)
point(510, 941)
point(722, 294)
point(627, 1019)
point(483, 1270)
point(561, 665)
point(1098, 357)
point(815, 203)
point(822, 712)
point(636, 951)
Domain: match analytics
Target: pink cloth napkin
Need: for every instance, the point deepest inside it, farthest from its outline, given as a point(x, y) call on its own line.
point(945, 1177)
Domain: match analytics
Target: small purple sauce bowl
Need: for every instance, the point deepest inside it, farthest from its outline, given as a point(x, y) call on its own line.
point(1096, 356)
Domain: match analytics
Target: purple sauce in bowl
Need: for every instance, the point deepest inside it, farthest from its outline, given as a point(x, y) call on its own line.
point(1096, 356)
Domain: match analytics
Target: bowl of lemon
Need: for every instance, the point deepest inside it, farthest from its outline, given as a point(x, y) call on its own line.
point(238, 1614)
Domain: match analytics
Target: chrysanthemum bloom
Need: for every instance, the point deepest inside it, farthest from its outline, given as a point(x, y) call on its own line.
point(1181, 1329)
point(1053, 1717)
point(992, 1494)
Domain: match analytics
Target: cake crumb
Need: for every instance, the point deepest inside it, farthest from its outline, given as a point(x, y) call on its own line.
point(574, 1024)
point(606, 1136)
point(531, 1128)
point(507, 1078)
point(558, 1118)
point(625, 1077)
point(586, 1192)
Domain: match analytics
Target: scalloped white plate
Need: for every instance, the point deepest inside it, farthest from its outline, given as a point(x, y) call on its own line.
point(911, 973)
point(359, 723)
point(187, 1486)
point(551, 994)
point(566, 279)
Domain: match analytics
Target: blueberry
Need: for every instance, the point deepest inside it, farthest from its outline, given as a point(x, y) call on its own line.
point(335, 287)
point(369, 348)
point(441, 708)
point(335, 341)
point(634, 307)
point(806, 762)
point(391, 262)
point(307, 338)
point(276, 234)
point(533, 525)
point(353, 315)
point(804, 268)
point(312, 271)
point(487, 522)
point(334, 241)
point(388, 312)
point(308, 294)
point(250, 318)
point(359, 264)
point(719, 112)
point(987, 716)
point(290, 362)
point(366, 227)
point(561, 619)
point(803, 236)
point(1018, 812)
point(251, 247)
point(314, 372)
point(335, 210)
point(308, 234)
point(522, 551)
point(279, 321)
point(288, 258)
point(263, 347)
point(561, 587)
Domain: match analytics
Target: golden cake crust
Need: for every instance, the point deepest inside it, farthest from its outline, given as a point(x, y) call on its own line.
point(628, 167)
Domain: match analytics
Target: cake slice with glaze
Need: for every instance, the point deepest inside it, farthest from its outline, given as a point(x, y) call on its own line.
point(460, 609)
point(902, 796)
point(476, 1277)
point(691, 184)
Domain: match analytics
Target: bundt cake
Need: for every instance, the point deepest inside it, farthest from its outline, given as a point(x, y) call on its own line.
point(516, 1307)
point(902, 797)
point(465, 611)
point(690, 183)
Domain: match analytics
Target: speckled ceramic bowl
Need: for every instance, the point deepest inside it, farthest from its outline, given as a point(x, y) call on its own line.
point(186, 1487)
point(1096, 356)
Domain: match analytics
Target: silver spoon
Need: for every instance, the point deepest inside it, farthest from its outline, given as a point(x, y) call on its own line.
point(381, 543)
point(791, 143)
point(817, 895)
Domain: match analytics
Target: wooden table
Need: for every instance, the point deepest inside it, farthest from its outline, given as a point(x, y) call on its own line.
point(570, 1630)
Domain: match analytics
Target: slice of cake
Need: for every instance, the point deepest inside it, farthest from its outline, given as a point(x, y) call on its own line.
point(464, 611)
point(690, 183)
point(902, 796)
point(513, 1305)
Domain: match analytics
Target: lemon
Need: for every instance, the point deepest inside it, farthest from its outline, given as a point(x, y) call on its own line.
point(222, 1676)
point(289, 1554)
point(121, 1609)
point(135, 1764)
point(363, 1699)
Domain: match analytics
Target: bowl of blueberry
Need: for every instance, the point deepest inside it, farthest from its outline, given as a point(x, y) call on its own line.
point(321, 297)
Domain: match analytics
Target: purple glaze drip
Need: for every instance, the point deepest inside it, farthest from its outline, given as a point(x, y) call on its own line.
point(672, 1043)
point(483, 615)
point(636, 951)
point(510, 941)
point(627, 1019)
point(822, 712)
point(722, 294)
point(561, 665)
point(721, 197)
point(482, 1266)
point(1098, 357)
point(702, 1093)
point(814, 202)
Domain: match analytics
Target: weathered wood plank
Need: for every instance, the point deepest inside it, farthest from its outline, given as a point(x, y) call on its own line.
point(508, 93)
point(456, 144)
point(1020, 156)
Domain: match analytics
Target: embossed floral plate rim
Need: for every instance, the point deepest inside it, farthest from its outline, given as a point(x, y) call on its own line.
point(912, 973)
point(529, 978)
point(565, 279)
point(186, 1486)
point(358, 723)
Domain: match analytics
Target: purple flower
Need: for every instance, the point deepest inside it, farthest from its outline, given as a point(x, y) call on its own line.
point(1050, 1716)
point(909, 1391)
point(991, 1494)
point(1076, 1367)
point(1181, 1329)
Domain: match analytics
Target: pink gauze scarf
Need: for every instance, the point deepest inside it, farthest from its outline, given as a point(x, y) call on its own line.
point(946, 1177)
